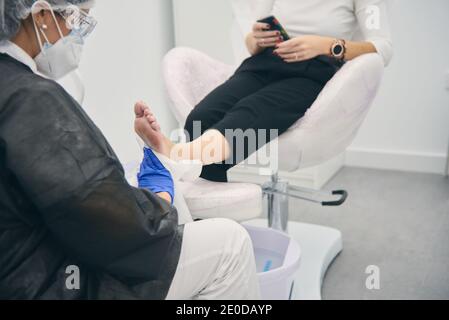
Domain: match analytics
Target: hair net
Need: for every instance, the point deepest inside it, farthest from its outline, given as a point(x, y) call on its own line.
point(13, 11)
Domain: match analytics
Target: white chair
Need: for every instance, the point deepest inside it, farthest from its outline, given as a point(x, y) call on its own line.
point(326, 130)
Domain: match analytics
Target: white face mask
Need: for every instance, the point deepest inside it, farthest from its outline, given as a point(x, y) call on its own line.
point(59, 59)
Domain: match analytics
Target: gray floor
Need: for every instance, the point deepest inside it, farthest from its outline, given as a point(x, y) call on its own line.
point(394, 220)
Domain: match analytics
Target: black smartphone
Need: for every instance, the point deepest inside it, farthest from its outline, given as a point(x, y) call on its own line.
point(275, 25)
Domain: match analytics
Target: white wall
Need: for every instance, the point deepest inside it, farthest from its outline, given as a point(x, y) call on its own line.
point(205, 25)
point(408, 127)
point(122, 64)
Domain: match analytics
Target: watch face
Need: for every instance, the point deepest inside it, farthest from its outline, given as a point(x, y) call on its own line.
point(338, 50)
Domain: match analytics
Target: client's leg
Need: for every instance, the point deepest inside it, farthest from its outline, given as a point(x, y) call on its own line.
point(276, 106)
point(213, 108)
point(216, 104)
point(206, 146)
point(216, 262)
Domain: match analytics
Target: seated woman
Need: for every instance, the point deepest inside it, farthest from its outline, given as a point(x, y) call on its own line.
point(275, 87)
point(65, 203)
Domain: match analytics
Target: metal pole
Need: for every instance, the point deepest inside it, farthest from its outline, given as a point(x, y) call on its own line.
point(446, 172)
point(277, 203)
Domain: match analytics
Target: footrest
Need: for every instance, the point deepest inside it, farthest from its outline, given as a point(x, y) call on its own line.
point(236, 201)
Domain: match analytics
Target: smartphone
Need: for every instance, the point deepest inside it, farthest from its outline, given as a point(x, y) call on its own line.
point(275, 25)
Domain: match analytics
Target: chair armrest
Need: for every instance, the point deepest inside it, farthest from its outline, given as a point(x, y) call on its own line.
point(334, 119)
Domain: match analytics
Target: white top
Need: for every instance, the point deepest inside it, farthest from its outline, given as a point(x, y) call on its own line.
point(332, 18)
point(16, 52)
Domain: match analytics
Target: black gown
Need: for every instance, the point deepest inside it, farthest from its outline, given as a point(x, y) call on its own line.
point(64, 201)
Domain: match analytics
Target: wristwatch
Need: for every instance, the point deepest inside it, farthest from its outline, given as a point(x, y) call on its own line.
point(338, 49)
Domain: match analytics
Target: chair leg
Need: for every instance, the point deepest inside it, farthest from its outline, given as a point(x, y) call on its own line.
point(277, 205)
point(446, 171)
point(278, 193)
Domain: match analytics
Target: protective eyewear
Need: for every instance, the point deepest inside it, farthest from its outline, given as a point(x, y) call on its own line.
point(78, 20)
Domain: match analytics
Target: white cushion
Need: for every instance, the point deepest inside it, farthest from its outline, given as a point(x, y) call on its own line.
point(236, 201)
point(196, 198)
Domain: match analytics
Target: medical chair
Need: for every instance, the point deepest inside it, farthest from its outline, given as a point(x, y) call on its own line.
point(326, 130)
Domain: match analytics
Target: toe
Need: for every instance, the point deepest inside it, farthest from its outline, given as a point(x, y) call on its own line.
point(139, 109)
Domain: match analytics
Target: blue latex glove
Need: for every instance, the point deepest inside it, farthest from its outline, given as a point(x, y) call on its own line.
point(154, 176)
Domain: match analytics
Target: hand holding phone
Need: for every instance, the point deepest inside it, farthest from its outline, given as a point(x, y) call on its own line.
point(267, 33)
point(275, 25)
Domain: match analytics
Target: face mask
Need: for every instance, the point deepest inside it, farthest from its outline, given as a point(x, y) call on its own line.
point(57, 60)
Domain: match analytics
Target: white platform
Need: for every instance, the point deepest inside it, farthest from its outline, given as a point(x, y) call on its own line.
point(319, 247)
point(314, 177)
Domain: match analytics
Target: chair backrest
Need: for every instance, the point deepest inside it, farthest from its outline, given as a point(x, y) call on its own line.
point(189, 76)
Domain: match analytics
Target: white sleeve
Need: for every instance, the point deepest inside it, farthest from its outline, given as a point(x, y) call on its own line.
point(372, 16)
point(247, 12)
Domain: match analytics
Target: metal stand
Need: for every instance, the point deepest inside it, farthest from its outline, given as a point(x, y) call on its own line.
point(446, 171)
point(278, 193)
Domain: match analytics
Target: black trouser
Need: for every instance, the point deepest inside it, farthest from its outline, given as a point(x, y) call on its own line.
point(264, 93)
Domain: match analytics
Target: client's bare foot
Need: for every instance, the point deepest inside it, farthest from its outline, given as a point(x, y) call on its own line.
point(147, 127)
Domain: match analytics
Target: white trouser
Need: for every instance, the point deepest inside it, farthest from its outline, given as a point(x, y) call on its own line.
point(217, 259)
point(216, 263)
